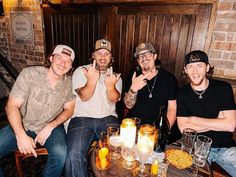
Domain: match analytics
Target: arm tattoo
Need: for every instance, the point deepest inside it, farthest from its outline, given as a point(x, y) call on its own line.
point(130, 99)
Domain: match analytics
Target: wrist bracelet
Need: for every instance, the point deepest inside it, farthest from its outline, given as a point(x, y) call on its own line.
point(133, 92)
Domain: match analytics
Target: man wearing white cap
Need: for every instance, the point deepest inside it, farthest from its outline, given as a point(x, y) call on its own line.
point(97, 90)
point(40, 101)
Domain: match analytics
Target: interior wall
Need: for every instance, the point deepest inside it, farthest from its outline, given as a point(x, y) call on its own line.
point(223, 45)
point(222, 51)
point(22, 52)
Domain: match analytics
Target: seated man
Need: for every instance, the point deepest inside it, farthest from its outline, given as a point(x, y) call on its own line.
point(149, 88)
point(97, 90)
point(40, 101)
point(207, 106)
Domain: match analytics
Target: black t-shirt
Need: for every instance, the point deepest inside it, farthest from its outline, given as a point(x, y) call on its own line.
point(164, 89)
point(217, 97)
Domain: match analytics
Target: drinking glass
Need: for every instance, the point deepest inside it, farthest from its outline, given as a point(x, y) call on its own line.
point(129, 155)
point(201, 151)
point(115, 141)
point(138, 124)
point(103, 152)
point(144, 152)
point(188, 140)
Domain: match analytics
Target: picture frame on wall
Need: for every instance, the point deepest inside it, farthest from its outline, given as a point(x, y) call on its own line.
point(1, 8)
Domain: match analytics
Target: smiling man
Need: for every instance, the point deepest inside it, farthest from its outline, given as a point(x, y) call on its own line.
point(97, 89)
point(40, 101)
point(150, 87)
point(207, 105)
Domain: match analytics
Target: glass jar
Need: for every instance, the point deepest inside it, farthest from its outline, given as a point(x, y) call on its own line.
point(128, 132)
point(103, 159)
point(147, 134)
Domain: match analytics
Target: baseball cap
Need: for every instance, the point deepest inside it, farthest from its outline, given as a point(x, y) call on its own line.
point(196, 56)
point(144, 46)
point(65, 50)
point(103, 44)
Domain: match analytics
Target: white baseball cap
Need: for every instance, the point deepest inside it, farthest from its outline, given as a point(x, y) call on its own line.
point(65, 50)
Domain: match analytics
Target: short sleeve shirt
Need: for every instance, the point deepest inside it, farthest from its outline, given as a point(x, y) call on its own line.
point(217, 97)
point(164, 89)
point(41, 104)
point(98, 106)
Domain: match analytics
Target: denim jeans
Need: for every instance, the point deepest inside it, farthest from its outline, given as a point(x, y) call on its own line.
point(82, 131)
point(225, 157)
point(55, 144)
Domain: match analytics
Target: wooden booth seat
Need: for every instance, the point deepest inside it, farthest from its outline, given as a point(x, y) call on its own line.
point(19, 157)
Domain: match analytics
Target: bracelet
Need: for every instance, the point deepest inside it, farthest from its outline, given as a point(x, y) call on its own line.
point(133, 92)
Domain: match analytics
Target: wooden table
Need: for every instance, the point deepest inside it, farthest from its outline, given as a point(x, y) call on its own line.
point(116, 169)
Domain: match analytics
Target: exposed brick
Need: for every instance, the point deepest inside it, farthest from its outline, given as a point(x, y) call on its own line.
point(215, 54)
point(225, 5)
point(222, 64)
point(223, 46)
point(230, 37)
point(219, 36)
point(226, 15)
point(218, 72)
point(234, 6)
point(230, 74)
point(233, 56)
point(226, 55)
point(225, 27)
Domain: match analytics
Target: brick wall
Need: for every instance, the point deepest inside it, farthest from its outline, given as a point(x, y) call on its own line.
point(24, 52)
point(222, 51)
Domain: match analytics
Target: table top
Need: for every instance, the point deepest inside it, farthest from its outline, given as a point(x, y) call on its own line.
point(117, 169)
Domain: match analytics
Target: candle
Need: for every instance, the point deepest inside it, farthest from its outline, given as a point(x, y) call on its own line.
point(128, 132)
point(102, 153)
point(154, 167)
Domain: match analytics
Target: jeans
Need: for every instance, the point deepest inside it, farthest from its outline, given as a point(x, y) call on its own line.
point(82, 131)
point(225, 157)
point(55, 144)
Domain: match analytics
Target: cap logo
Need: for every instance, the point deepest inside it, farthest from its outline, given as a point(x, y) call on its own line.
point(104, 44)
point(141, 46)
point(66, 52)
point(194, 58)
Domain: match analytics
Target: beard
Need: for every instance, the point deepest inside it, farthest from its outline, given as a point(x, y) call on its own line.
point(102, 68)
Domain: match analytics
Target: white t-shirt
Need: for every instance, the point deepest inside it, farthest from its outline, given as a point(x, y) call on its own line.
point(98, 106)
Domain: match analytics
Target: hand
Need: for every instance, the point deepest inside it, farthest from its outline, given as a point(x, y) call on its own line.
point(26, 145)
point(111, 79)
point(139, 82)
point(92, 74)
point(43, 135)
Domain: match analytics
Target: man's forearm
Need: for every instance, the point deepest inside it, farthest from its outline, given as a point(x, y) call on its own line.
point(64, 115)
point(130, 99)
point(113, 95)
point(86, 92)
point(14, 118)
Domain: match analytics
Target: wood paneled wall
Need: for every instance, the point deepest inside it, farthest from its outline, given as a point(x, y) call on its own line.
point(174, 30)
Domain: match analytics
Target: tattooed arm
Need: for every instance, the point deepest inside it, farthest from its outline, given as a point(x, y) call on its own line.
point(130, 98)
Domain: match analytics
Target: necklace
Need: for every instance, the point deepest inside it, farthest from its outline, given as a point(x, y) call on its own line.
point(201, 93)
point(153, 85)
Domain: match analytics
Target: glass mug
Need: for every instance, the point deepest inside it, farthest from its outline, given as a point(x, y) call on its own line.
point(103, 159)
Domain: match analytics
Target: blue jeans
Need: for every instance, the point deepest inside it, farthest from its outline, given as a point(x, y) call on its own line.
point(225, 157)
point(55, 144)
point(82, 131)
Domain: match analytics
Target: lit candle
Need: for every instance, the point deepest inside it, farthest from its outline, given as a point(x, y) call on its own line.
point(102, 153)
point(128, 132)
point(154, 167)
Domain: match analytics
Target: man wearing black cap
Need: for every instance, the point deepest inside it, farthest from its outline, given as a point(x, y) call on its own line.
point(150, 87)
point(40, 101)
point(97, 89)
point(207, 106)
